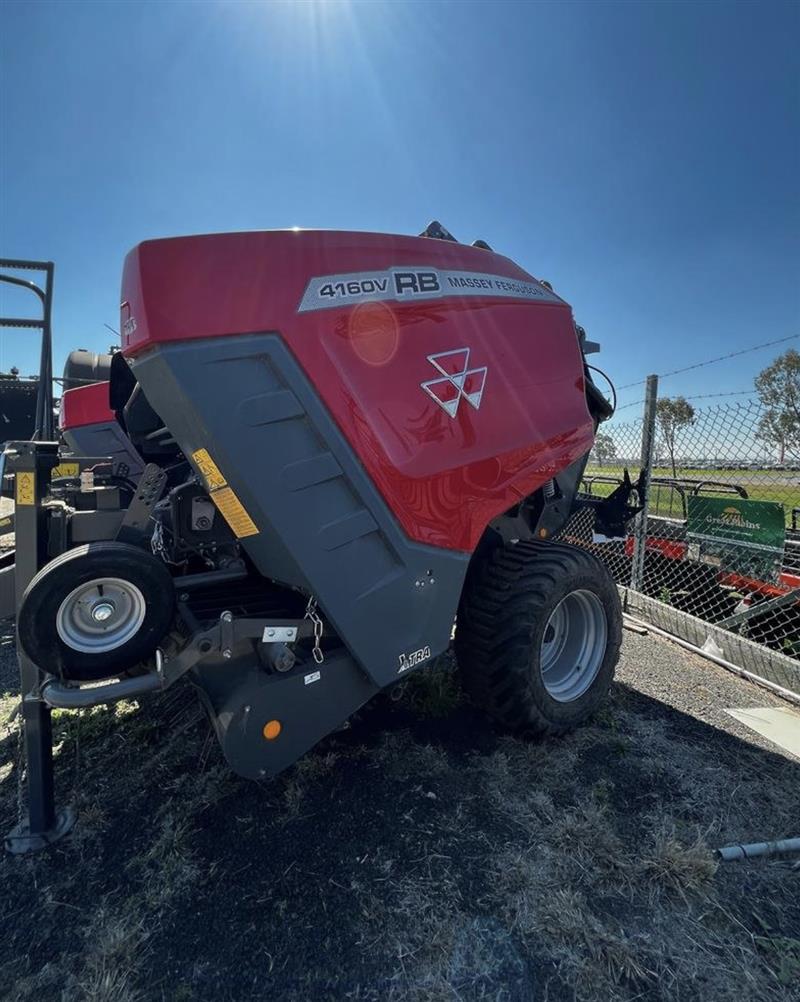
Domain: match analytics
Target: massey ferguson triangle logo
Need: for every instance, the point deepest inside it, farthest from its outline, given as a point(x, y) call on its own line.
point(457, 380)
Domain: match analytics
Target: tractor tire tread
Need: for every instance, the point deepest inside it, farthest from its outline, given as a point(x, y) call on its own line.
point(505, 598)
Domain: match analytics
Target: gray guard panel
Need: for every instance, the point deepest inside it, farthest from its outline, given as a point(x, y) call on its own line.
point(106, 439)
point(323, 525)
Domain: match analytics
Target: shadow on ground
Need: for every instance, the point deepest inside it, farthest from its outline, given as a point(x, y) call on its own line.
point(417, 855)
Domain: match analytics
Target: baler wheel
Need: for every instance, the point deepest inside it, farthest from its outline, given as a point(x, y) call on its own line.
point(96, 611)
point(538, 635)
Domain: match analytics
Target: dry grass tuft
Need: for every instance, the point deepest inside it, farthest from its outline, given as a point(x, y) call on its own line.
point(782, 955)
point(316, 765)
point(9, 708)
point(433, 692)
point(594, 955)
point(117, 944)
point(398, 754)
point(678, 865)
point(94, 821)
point(588, 844)
point(167, 867)
point(293, 794)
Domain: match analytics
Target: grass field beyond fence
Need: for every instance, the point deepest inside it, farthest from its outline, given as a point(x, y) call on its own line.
point(782, 486)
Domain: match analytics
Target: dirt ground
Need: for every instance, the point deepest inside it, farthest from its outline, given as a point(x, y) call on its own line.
point(417, 855)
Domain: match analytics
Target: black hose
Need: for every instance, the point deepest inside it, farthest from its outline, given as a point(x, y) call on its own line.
point(607, 378)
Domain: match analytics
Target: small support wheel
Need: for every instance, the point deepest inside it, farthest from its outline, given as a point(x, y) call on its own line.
point(538, 635)
point(96, 611)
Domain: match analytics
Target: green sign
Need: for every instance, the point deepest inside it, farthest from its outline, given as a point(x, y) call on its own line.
point(745, 537)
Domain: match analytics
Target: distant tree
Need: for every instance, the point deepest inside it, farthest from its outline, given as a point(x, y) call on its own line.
point(604, 448)
point(673, 414)
point(778, 387)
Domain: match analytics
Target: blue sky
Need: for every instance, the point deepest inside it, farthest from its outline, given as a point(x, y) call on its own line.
point(642, 157)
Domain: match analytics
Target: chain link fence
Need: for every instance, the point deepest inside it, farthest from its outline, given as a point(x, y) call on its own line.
point(715, 560)
point(719, 544)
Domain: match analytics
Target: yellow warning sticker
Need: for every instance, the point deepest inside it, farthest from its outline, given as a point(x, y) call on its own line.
point(211, 472)
point(66, 470)
point(234, 513)
point(26, 488)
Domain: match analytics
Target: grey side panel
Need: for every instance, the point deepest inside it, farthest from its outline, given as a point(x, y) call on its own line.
point(106, 440)
point(92, 526)
point(310, 702)
point(323, 526)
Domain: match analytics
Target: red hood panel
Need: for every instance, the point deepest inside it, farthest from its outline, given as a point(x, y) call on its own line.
point(455, 376)
point(84, 405)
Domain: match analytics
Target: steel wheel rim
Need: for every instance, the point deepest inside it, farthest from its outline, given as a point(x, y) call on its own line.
point(100, 615)
point(573, 645)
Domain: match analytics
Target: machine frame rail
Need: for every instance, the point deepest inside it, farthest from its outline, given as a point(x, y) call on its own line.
point(44, 429)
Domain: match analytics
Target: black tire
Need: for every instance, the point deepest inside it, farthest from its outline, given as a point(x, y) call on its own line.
point(38, 633)
point(507, 603)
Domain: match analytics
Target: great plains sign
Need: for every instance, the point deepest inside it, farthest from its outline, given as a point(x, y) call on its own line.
point(746, 537)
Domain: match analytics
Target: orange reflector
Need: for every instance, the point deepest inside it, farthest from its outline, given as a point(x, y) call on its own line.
point(272, 729)
point(543, 534)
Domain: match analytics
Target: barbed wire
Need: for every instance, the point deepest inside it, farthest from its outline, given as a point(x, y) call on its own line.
point(711, 361)
point(700, 396)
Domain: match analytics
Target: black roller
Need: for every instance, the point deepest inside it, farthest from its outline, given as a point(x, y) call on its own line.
point(83, 367)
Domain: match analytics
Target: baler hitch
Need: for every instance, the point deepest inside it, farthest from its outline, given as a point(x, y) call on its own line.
point(215, 641)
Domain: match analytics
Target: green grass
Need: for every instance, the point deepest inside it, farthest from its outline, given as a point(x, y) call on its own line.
point(761, 485)
point(701, 473)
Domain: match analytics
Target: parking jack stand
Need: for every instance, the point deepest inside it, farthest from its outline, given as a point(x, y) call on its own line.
point(31, 464)
point(43, 824)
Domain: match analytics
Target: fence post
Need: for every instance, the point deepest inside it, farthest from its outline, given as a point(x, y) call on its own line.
point(646, 466)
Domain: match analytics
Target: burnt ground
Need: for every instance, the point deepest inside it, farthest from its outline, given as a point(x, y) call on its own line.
point(417, 855)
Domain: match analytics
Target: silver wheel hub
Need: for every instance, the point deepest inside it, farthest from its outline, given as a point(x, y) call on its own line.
point(100, 615)
point(574, 645)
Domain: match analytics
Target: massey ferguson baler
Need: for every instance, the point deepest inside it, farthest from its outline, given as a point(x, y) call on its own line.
point(348, 444)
